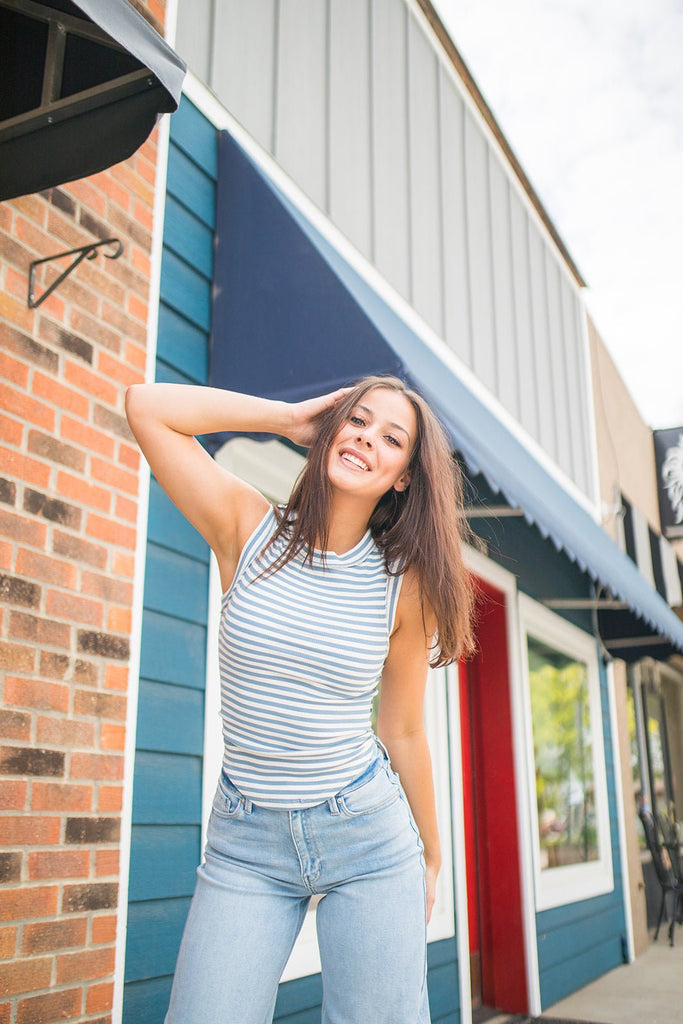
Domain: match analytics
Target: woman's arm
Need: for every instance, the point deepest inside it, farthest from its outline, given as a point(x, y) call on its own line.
point(165, 419)
point(400, 720)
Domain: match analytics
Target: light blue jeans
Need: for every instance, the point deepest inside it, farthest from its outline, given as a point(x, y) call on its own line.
point(362, 850)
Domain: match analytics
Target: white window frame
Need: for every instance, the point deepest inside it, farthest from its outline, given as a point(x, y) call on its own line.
point(561, 886)
point(272, 467)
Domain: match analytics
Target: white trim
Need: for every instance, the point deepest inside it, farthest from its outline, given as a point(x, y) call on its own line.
point(591, 422)
point(211, 107)
point(561, 886)
point(621, 824)
point(506, 581)
point(171, 21)
point(672, 581)
point(139, 579)
point(459, 853)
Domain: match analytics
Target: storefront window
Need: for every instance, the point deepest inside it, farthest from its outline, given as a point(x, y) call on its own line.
point(566, 759)
point(563, 752)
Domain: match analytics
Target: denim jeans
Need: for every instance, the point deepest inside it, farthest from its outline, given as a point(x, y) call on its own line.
point(362, 851)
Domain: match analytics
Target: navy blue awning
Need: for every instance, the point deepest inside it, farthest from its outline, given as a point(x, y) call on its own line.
point(292, 319)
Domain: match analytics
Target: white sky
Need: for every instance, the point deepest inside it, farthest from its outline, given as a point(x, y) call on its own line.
point(589, 94)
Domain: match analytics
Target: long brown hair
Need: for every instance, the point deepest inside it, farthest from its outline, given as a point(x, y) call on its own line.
point(420, 528)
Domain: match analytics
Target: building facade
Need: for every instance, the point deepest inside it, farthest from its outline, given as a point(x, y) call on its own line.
point(332, 198)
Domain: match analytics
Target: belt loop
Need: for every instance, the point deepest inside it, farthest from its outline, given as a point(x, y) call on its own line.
point(333, 805)
point(247, 805)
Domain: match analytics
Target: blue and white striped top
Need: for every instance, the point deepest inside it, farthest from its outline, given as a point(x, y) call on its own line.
point(301, 652)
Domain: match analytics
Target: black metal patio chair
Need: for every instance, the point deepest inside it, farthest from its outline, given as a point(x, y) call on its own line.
point(667, 868)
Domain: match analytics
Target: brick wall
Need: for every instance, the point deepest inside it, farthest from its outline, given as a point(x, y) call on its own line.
point(68, 507)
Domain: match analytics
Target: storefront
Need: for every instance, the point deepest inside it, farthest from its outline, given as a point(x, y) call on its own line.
point(532, 903)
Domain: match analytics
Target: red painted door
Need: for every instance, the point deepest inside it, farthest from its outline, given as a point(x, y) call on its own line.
point(494, 897)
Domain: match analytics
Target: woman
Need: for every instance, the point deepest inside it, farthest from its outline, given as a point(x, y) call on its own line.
point(359, 578)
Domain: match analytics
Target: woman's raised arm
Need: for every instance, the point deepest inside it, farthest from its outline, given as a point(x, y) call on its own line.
point(165, 419)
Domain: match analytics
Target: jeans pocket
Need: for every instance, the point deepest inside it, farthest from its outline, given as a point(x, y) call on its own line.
point(228, 801)
point(380, 791)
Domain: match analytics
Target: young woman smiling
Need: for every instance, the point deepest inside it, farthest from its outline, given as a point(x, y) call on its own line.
point(358, 583)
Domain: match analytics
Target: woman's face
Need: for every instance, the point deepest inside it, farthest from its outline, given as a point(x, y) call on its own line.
point(371, 451)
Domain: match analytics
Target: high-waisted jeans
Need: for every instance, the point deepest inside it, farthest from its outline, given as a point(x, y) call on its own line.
point(362, 851)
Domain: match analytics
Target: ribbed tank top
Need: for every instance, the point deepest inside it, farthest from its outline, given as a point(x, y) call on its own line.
point(301, 652)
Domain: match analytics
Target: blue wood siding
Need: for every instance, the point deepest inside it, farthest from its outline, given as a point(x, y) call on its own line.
point(166, 832)
point(582, 941)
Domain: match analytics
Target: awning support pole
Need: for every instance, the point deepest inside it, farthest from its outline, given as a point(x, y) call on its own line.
point(84, 252)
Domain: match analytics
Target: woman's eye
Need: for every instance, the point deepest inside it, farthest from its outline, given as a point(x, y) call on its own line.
point(357, 421)
point(393, 440)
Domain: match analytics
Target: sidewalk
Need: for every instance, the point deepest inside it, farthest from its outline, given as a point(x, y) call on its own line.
point(648, 991)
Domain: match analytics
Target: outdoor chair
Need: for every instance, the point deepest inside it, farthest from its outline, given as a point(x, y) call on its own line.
point(667, 868)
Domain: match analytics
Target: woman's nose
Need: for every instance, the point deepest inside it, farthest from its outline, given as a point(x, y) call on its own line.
point(364, 438)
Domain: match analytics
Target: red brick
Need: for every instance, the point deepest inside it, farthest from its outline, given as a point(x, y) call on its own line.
point(103, 929)
point(89, 195)
point(65, 732)
point(110, 531)
point(95, 330)
point(48, 447)
point(16, 312)
point(41, 567)
point(143, 215)
point(61, 796)
point(108, 588)
point(51, 1007)
point(44, 864)
point(110, 798)
point(96, 766)
point(102, 705)
point(54, 666)
point(79, 550)
point(92, 383)
point(5, 1013)
point(95, 963)
point(123, 564)
point(35, 693)
point(15, 725)
point(107, 863)
point(24, 468)
point(17, 657)
point(129, 456)
point(8, 941)
point(26, 830)
point(6, 555)
point(14, 371)
point(88, 437)
point(118, 370)
point(137, 308)
point(25, 976)
point(99, 997)
point(126, 508)
point(119, 620)
point(60, 395)
point(22, 529)
point(112, 737)
point(86, 673)
point(30, 901)
point(39, 631)
point(111, 188)
point(114, 476)
point(82, 491)
point(74, 608)
point(116, 677)
point(11, 431)
point(13, 795)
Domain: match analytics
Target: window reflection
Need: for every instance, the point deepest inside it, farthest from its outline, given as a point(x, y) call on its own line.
point(563, 752)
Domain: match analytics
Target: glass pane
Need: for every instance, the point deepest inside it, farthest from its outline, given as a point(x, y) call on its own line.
point(655, 742)
point(563, 752)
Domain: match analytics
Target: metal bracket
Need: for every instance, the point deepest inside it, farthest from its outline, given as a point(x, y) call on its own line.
point(85, 252)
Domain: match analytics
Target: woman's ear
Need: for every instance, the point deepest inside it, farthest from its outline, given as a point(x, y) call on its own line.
point(402, 482)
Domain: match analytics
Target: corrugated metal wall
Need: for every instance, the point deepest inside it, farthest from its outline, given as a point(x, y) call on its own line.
point(359, 106)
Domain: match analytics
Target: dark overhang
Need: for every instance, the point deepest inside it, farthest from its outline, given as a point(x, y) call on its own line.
point(83, 83)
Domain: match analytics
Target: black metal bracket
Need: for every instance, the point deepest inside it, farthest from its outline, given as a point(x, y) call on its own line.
point(85, 252)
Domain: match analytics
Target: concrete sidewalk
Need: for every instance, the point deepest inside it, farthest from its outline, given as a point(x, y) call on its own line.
point(648, 991)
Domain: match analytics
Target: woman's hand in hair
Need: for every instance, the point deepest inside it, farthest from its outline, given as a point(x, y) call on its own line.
point(305, 416)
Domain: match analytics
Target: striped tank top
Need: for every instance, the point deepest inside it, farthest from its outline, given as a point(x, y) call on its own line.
point(301, 653)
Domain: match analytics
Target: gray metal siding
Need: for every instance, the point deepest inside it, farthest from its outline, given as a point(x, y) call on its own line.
point(356, 101)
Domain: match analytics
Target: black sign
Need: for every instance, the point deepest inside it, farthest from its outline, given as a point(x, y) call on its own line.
point(669, 463)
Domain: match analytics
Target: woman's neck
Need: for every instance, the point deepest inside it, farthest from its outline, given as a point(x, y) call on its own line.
point(347, 525)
